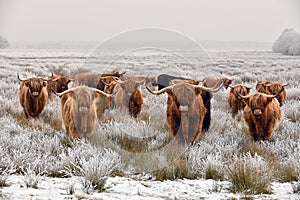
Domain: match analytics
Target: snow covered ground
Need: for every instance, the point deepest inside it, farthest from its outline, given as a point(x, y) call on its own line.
point(132, 188)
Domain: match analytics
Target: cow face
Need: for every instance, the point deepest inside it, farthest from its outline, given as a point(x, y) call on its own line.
point(151, 82)
point(275, 87)
point(35, 86)
point(240, 89)
point(129, 86)
point(258, 103)
point(62, 84)
point(226, 82)
point(84, 109)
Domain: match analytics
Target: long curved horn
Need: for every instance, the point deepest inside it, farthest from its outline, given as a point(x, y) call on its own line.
point(19, 78)
point(140, 82)
point(214, 89)
point(286, 84)
point(64, 92)
point(160, 91)
point(102, 93)
point(241, 96)
point(45, 79)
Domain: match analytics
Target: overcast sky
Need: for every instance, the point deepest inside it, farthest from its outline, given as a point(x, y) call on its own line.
point(96, 20)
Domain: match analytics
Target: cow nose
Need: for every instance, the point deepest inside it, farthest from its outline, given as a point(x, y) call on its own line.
point(83, 108)
point(183, 108)
point(257, 112)
point(35, 94)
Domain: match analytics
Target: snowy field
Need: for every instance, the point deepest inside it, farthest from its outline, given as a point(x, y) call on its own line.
point(38, 161)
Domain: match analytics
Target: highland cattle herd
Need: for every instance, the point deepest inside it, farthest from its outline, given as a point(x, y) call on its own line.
point(188, 111)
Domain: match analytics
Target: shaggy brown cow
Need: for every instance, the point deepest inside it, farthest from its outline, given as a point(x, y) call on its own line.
point(33, 96)
point(58, 84)
point(211, 82)
point(260, 86)
point(262, 115)
point(236, 103)
point(273, 88)
point(79, 110)
point(128, 95)
point(150, 81)
point(94, 80)
point(185, 110)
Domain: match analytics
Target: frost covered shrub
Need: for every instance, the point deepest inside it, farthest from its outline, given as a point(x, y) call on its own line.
point(296, 187)
point(32, 174)
point(93, 165)
point(292, 110)
point(210, 155)
point(250, 175)
point(288, 43)
point(4, 177)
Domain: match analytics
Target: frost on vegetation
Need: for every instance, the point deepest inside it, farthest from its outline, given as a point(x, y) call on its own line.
point(288, 43)
point(32, 174)
point(4, 176)
point(92, 167)
point(250, 174)
point(212, 153)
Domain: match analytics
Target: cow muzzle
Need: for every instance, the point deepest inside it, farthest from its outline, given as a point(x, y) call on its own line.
point(257, 112)
point(35, 94)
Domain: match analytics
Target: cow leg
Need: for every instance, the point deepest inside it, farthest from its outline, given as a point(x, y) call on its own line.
point(206, 96)
point(253, 131)
point(26, 114)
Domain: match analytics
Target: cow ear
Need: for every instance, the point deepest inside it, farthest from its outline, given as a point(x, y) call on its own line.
point(248, 90)
point(198, 91)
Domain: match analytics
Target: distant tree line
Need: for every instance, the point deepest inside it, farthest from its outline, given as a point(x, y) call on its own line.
point(3, 43)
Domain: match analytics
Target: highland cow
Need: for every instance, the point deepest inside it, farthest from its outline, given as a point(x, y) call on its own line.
point(236, 103)
point(128, 96)
point(33, 96)
point(185, 110)
point(211, 82)
point(273, 88)
point(262, 115)
point(57, 84)
point(79, 110)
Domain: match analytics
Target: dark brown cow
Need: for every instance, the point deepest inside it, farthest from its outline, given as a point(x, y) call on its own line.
point(58, 84)
point(128, 95)
point(79, 110)
point(272, 88)
point(260, 86)
point(211, 82)
point(262, 115)
point(236, 103)
point(33, 96)
point(185, 110)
